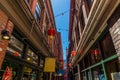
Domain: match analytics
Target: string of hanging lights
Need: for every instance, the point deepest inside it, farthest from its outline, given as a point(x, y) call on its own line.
point(61, 14)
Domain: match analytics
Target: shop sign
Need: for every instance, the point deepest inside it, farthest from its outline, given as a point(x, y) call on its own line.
point(49, 65)
point(7, 74)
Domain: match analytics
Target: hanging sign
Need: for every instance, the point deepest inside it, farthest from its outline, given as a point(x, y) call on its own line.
point(49, 65)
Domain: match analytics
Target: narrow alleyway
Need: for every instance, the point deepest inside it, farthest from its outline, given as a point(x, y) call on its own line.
point(59, 40)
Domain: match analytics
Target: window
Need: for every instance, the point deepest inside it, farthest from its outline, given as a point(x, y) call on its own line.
point(77, 33)
point(15, 47)
point(98, 73)
point(27, 1)
point(95, 54)
point(107, 47)
point(89, 3)
point(37, 12)
point(41, 62)
point(32, 57)
point(82, 22)
point(16, 43)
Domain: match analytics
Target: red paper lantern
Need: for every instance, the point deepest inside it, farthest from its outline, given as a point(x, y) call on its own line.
point(70, 64)
point(96, 52)
point(61, 60)
point(51, 33)
point(73, 53)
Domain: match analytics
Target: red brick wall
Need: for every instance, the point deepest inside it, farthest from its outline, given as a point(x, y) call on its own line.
point(33, 6)
point(4, 43)
point(115, 34)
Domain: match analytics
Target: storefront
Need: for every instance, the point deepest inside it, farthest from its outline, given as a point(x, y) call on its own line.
point(22, 58)
point(101, 61)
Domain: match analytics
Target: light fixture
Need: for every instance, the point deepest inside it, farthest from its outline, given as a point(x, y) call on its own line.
point(28, 59)
point(5, 33)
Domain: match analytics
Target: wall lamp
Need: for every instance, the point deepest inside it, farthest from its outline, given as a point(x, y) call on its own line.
point(5, 33)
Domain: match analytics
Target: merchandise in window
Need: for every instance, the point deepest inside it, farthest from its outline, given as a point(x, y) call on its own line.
point(32, 57)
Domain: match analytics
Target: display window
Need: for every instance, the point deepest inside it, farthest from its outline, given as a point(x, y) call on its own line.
point(113, 69)
point(15, 47)
point(32, 57)
point(107, 46)
point(29, 74)
point(10, 70)
point(98, 73)
point(95, 55)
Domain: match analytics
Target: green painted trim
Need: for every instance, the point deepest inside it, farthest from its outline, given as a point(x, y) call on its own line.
point(92, 66)
point(102, 61)
point(90, 74)
point(105, 74)
point(110, 58)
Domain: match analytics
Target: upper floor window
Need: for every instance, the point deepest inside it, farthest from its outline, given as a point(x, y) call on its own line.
point(89, 3)
point(82, 22)
point(37, 12)
point(77, 32)
point(28, 2)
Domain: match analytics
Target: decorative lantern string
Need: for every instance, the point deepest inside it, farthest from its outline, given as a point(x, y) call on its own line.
point(64, 12)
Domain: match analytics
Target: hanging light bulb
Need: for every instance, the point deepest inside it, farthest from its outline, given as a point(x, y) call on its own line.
point(5, 35)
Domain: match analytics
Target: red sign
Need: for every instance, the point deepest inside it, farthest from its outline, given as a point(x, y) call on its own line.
point(7, 74)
